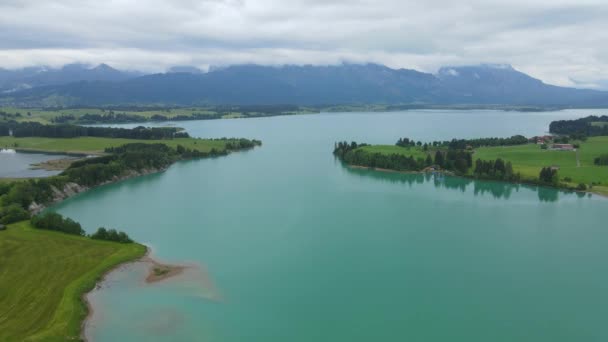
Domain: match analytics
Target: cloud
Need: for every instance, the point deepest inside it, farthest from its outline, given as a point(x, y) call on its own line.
point(557, 41)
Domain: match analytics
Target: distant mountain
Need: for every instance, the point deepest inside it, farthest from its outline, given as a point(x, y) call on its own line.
point(316, 85)
point(15, 80)
point(501, 84)
point(185, 69)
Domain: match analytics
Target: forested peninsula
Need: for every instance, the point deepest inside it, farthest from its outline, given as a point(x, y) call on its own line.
point(574, 159)
point(20, 198)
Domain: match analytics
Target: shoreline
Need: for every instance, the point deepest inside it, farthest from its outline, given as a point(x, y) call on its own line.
point(449, 173)
point(151, 278)
point(72, 189)
point(102, 277)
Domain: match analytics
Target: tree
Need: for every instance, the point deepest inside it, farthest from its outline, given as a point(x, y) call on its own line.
point(499, 167)
point(111, 235)
point(548, 175)
point(429, 160)
point(54, 221)
point(100, 234)
point(439, 159)
point(509, 171)
point(461, 165)
point(13, 213)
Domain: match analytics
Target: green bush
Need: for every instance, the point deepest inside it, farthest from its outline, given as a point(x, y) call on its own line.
point(601, 160)
point(111, 235)
point(13, 213)
point(54, 221)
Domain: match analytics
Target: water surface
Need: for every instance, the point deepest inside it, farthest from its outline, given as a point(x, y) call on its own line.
point(293, 246)
point(19, 165)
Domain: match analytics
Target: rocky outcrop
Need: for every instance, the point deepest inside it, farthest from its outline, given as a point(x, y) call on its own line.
point(70, 189)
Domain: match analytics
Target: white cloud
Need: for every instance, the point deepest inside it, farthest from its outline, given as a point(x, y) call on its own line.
point(556, 41)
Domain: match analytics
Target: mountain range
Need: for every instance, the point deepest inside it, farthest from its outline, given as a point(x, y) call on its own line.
point(32, 77)
point(351, 84)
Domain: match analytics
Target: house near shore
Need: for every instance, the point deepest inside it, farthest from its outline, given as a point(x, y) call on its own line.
point(544, 139)
point(562, 147)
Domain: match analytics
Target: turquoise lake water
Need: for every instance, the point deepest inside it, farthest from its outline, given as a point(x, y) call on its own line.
point(287, 244)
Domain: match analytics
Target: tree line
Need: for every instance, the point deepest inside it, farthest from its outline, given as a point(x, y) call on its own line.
point(462, 144)
point(56, 222)
point(35, 129)
point(495, 169)
point(453, 160)
point(588, 126)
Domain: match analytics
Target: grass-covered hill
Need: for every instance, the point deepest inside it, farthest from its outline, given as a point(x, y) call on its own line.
point(43, 275)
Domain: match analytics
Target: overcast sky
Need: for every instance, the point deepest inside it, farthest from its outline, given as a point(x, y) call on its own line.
point(562, 42)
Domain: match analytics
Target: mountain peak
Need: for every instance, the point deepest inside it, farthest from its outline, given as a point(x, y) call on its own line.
point(104, 67)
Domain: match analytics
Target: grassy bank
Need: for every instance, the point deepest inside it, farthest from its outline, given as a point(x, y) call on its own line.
point(530, 159)
point(93, 145)
point(44, 275)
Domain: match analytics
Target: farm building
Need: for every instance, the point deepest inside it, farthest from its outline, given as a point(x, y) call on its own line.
point(544, 139)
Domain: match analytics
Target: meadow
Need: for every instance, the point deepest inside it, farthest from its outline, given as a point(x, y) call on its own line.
point(95, 145)
point(530, 159)
point(44, 275)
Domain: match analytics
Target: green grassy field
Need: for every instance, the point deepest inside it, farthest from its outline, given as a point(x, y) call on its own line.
point(43, 275)
point(529, 159)
point(97, 145)
point(416, 152)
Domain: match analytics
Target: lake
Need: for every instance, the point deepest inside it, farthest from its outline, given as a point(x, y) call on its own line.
point(287, 244)
point(18, 164)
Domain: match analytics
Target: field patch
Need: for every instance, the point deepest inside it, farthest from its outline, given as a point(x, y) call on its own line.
point(530, 159)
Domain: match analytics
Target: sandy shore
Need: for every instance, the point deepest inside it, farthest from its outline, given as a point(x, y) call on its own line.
point(156, 272)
